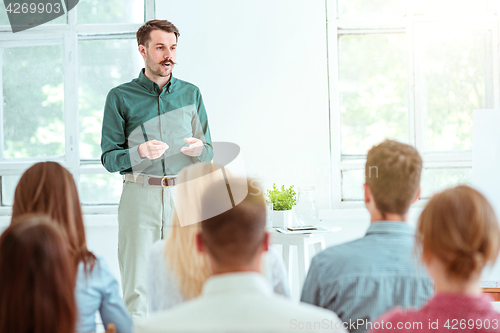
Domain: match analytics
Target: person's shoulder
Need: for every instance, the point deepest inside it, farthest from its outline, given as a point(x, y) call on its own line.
point(344, 250)
point(390, 317)
point(302, 312)
point(101, 270)
point(176, 316)
point(287, 306)
point(181, 84)
point(100, 264)
point(100, 261)
point(337, 256)
point(95, 274)
point(395, 314)
point(113, 94)
point(315, 311)
point(394, 317)
point(124, 88)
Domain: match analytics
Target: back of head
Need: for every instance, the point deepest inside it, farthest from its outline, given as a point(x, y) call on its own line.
point(192, 181)
point(233, 236)
point(459, 227)
point(392, 172)
point(37, 280)
point(48, 188)
point(189, 266)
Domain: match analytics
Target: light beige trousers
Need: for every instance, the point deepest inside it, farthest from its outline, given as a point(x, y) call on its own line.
point(144, 216)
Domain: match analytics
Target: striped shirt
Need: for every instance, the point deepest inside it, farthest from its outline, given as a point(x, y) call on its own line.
point(362, 279)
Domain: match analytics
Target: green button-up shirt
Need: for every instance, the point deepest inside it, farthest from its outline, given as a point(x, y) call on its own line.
point(138, 111)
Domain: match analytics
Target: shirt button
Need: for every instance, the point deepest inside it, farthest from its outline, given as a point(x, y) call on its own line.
point(164, 132)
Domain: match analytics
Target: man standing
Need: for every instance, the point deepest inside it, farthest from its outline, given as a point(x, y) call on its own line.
point(362, 279)
point(153, 126)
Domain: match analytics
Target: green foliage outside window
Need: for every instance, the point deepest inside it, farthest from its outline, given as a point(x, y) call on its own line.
point(33, 102)
point(102, 65)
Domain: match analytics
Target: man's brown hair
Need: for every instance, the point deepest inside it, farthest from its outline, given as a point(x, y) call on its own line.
point(459, 227)
point(234, 236)
point(143, 34)
point(392, 172)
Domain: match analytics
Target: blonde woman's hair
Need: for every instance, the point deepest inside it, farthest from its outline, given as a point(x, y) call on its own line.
point(459, 227)
point(190, 267)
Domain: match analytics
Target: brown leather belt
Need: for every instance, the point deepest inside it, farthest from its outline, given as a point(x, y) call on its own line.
point(147, 180)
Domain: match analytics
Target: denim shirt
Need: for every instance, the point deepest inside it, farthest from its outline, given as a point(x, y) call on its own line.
point(362, 279)
point(98, 291)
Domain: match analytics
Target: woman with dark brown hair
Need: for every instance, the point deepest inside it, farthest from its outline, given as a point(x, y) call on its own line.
point(457, 235)
point(49, 188)
point(37, 280)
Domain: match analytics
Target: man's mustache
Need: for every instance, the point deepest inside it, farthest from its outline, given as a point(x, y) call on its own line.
point(168, 61)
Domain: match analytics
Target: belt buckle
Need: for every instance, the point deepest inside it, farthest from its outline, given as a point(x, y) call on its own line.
point(164, 181)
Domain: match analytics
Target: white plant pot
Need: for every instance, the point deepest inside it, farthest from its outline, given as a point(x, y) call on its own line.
point(282, 218)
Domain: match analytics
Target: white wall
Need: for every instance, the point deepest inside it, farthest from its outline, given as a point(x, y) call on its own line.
point(262, 69)
point(485, 161)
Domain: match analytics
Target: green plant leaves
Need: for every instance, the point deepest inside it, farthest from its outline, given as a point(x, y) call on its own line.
point(282, 199)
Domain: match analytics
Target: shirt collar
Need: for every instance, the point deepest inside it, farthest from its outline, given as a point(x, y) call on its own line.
point(230, 283)
point(153, 86)
point(390, 227)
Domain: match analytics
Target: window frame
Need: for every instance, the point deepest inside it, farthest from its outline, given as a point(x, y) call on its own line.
point(410, 25)
point(71, 32)
point(67, 35)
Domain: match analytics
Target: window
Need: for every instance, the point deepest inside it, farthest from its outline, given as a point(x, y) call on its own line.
point(33, 127)
point(54, 82)
point(412, 71)
point(409, 70)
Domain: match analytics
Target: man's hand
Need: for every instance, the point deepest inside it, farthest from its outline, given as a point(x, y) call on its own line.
point(195, 147)
point(152, 149)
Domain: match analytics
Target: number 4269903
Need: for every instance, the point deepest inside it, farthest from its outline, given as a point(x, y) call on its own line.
point(25, 8)
point(455, 324)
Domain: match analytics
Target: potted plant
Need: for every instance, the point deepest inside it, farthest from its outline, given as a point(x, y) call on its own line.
point(283, 201)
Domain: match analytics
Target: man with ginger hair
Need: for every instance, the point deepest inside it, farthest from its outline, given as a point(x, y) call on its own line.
point(362, 279)
point(237, 297)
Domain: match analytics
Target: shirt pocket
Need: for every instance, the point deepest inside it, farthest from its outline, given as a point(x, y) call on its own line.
point(177, 125)
point(151, 129)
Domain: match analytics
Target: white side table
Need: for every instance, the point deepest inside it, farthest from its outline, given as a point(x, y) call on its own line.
point(302, 242)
